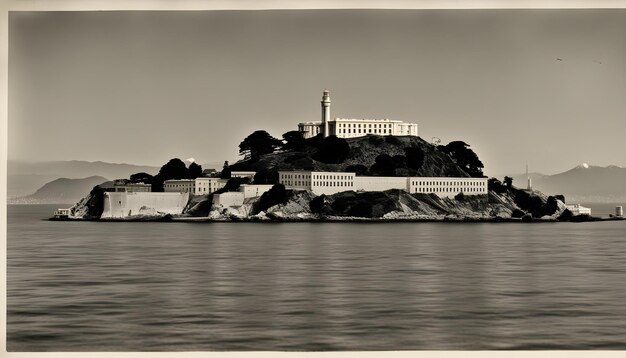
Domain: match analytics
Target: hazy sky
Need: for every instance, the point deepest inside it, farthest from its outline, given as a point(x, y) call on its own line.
point(143, 87)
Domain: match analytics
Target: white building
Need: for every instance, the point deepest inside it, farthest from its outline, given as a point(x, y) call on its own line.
point(132, 187)
point(352, 127)
point(578, 209)
point(334, 182)
point(317, 182)
point(243, 174)
point(198, 186)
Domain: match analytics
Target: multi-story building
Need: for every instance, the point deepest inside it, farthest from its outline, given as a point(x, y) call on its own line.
point(353, 127)
point(318, 182)
point(198, 186)
point(334, 182)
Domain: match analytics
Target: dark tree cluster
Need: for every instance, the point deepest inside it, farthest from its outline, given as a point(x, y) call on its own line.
point(257, 144)
point(141, 178)
point(386, 165)
point(332, 150)
point(265, 176)
point(464, 157)
point(173, 169)
point(294, 141)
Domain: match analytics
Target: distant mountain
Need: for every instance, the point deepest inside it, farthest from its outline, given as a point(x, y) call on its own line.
point(62, 191)
point(584, 183)
point(24, 178)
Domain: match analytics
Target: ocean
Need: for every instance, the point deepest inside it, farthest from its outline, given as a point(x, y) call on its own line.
point(139, 286)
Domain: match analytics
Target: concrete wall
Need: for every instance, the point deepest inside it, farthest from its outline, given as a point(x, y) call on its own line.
point(254, 190)
point(121, 205)
point(367, 183)
point(231, 198)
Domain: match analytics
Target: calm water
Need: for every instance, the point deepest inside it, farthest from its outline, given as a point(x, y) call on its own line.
point(239, 286)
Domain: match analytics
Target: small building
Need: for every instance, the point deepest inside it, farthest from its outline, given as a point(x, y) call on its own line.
point(209, 172)
point(132, 187)
point(61, 213)
point(578, 209)
point(243, 174)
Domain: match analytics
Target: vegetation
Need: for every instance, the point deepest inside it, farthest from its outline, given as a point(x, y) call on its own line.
point(276, 195)
point(414, 157)
point(266, 176)
point(141, 178)
point(332, 150)
point(464, 157)
point(225, 173)
point(294, 141)
point(358, 169)
point(508, 182)
point(257, 144)
point(383, 166)
point(195, 170)
point(173, 169)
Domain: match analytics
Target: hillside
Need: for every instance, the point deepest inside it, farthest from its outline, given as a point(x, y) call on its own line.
point(24, 178)
point(62, 191)
point(363, 151)
point(584, 183)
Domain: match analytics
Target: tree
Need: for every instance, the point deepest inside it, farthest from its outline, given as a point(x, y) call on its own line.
point(464, 157)
point(195, 170)
point(265, 176)
point(173, 169)
point(414, 157)
point(508, 182)
point(225, 173)
point(257, 144)
point(141, 178)
point(358, 169)
point(294, 141)
point(495, 185)
point(332, 150)
point(383, 166)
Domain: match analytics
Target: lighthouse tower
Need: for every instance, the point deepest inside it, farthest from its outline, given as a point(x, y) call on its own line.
point(325, 112)
point(530, 183)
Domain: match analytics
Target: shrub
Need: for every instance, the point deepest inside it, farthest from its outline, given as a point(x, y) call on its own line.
point(414, 157)
point(459, 197)
point(383, 166)
point(359, 169)
point(392, 139)
point(266, 176)
point(332, 150)
point(304, 163)
point(375, 140)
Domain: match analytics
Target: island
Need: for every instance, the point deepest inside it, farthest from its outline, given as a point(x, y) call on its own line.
point(333, 170)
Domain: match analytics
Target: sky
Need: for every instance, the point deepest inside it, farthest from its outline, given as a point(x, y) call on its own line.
point(543, 87)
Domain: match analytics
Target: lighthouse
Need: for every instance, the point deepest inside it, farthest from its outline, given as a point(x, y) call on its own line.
point(325, 112)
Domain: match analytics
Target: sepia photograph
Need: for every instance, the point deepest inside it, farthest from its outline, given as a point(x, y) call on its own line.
point(228, 177)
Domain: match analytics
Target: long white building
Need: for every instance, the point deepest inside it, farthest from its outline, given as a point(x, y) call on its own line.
point(354, 127)
point(198, 186)
point(334, 182)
